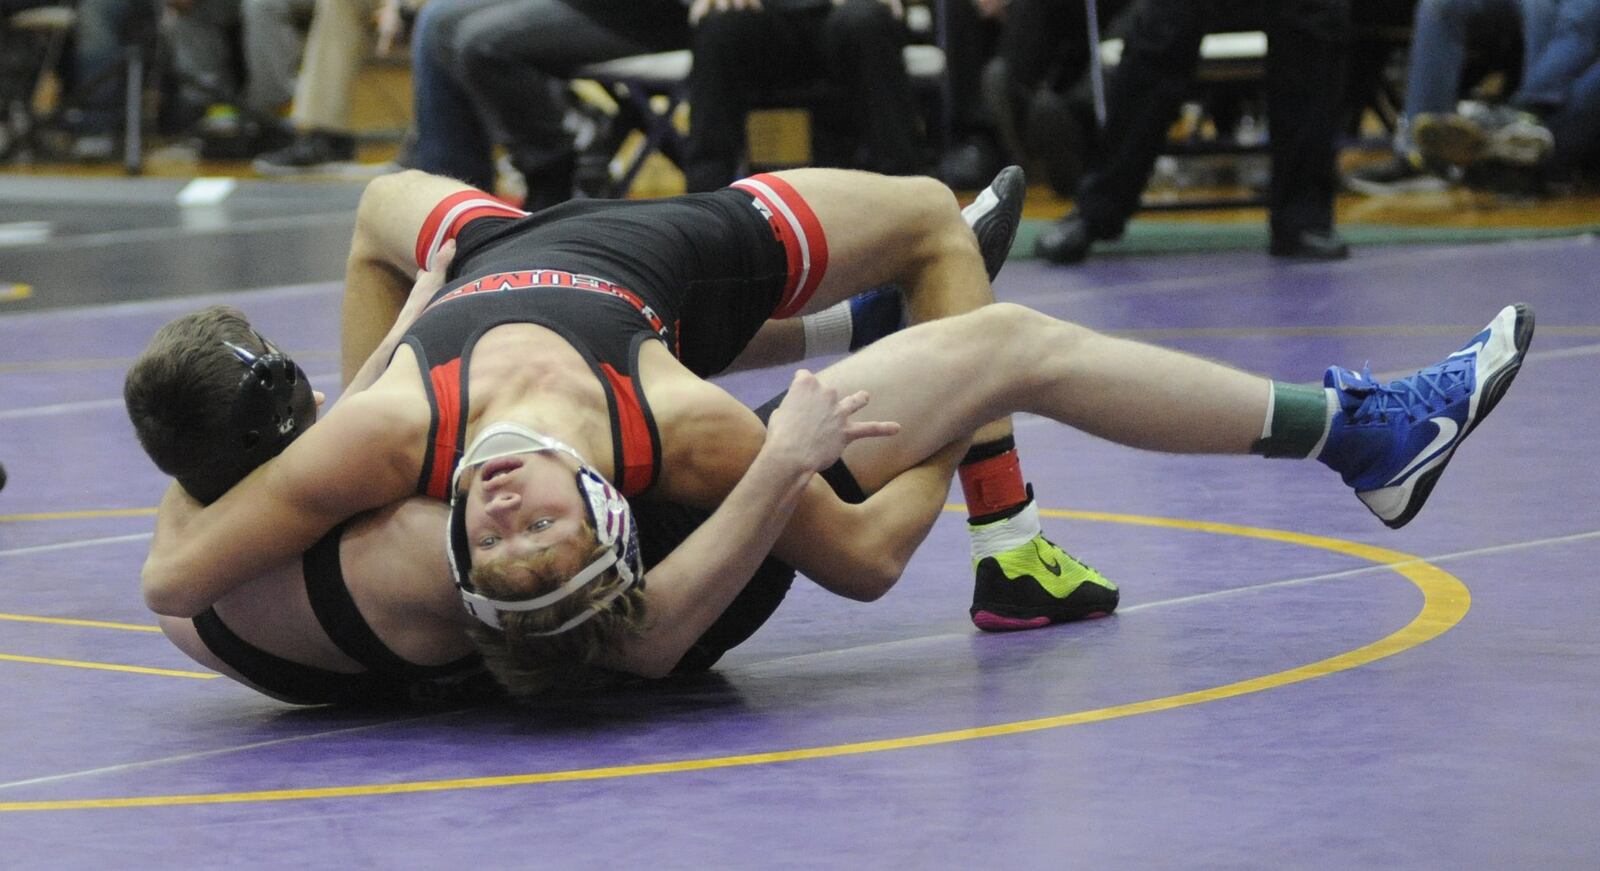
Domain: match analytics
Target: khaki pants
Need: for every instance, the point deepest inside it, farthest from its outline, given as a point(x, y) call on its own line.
point(335, 49)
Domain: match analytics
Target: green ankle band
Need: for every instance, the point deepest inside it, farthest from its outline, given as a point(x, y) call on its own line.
point(1298, 421)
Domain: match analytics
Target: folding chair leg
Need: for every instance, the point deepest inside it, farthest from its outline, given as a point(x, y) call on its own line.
point(659, 135)
point(133, 118)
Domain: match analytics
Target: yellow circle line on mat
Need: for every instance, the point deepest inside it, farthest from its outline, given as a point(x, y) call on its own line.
point(106, 666)
point(73, 621)
point(1445, 601)
point(93, 514)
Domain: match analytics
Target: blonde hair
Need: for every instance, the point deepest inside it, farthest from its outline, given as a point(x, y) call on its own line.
point(527, 663)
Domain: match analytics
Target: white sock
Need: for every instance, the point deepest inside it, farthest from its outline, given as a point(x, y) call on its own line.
point(828, 331)
point(994, 538)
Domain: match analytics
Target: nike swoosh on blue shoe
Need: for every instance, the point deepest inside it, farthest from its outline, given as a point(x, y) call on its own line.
point(1444, 436)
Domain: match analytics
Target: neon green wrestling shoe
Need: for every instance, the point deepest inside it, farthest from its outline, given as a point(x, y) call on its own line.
point(1031, 582)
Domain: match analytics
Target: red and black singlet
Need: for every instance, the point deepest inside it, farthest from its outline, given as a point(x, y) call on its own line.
point(608, 335)
point(701, 273)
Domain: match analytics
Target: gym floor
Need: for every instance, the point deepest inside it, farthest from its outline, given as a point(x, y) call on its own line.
point(1288, 684)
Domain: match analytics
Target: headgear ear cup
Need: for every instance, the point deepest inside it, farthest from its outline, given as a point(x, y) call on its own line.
point(271, 407)
point(608, 513)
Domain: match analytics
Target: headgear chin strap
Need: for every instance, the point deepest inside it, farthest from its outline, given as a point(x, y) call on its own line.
point(272, 406)
point(608, 513)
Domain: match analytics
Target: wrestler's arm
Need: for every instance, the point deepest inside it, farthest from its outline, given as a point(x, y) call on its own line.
point(361, 456)
point(428, 283)
point(685, 603)
point(693, 585)
point(856, 551)
point(710, 440)
point(383, 258)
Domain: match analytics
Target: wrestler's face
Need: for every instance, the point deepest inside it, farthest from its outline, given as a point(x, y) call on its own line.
point(520, 505)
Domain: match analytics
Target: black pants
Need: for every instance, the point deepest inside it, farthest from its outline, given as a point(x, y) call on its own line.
point(514, 57)
point(854, 48)
point(1307, 46)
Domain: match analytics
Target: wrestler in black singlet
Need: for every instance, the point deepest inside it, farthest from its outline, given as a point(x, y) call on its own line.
point(391, 680)
point(700, 272)
point(388, 679)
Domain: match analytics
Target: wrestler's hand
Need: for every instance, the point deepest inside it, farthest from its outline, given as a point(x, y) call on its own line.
point(700, 8)
point(427, 284)
point(812, 426)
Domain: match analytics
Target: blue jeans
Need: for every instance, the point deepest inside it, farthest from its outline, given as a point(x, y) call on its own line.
point(1560, 76)
point(100, 37)
point(1561, 41)
point(452, 138)
point(487, 71)
point(1561, 44)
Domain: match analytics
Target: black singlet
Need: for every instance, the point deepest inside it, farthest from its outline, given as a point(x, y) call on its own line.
point(388, 680)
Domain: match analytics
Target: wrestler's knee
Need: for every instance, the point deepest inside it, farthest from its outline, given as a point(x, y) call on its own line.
point(379, 194)
point(933, 215)
point(379, 202)
point(1012, 336)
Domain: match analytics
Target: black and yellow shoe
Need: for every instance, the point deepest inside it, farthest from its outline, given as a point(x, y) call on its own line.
point(1036, 584)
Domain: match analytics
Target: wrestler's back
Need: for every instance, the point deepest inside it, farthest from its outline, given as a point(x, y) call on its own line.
point(395, 571)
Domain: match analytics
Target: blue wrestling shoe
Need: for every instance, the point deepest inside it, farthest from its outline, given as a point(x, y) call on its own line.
point(874, 314)
point(995, 216)
point(1392, 441)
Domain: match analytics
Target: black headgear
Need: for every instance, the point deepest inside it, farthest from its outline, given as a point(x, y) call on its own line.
point(272, 406)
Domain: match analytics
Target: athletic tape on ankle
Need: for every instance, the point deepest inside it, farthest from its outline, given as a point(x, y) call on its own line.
point(993, 485)
point(995, 538)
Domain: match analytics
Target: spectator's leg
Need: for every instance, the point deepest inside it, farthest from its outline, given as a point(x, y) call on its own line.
point(1576, 126)
point(1440, 34)
point(514, 57)
point(1561, 40)
point(974, 154)
point(203, 52)
point(453, 139)
point(97, 50)
point(274, 37)
point(1308, 50)
point(861, 45)
point(733, 55)
point(1144, 94)
point(335, 49)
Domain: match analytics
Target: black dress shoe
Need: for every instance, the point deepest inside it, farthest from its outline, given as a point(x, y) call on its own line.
point(1066, 241)
point(1310, 245)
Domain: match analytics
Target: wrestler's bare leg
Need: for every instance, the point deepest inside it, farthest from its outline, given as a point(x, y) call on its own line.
point(382, 264)
point(382, 261)
point(1010, 359)
point(897, 230)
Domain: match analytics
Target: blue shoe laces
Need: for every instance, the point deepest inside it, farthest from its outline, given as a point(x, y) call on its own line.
point(1418, 396)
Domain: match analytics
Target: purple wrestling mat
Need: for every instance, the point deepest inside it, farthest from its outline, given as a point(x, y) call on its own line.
point(1287, 685)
